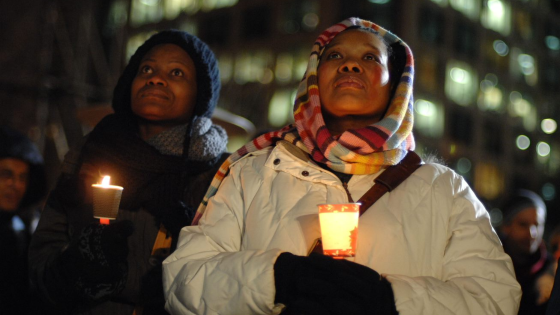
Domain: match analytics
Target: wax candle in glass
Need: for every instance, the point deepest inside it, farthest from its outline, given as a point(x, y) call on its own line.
point(339, 229)
point(106, 200)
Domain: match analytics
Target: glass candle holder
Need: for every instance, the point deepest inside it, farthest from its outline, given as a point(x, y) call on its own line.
point(339, 229)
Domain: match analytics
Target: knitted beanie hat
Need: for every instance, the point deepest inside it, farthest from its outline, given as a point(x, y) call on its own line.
point(16, 145)
point(207, 72)
point(522, 200)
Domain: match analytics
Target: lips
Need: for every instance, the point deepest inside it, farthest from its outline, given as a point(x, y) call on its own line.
point(153, 91)
point(349, 81)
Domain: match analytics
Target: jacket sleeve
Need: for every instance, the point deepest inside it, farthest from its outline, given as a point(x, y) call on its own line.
point(477, 276)
point(209, 273)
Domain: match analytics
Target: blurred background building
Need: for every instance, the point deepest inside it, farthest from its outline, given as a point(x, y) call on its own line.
point(486, 85)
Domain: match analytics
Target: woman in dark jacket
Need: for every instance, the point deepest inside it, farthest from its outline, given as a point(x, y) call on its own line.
point(161, 146)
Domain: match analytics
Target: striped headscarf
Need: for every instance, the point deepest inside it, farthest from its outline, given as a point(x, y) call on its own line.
point(360, 151)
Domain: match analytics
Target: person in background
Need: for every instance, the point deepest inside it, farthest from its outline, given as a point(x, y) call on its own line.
point(22, 186)
point(522, 233)
point(162, 148)
point(426, 247)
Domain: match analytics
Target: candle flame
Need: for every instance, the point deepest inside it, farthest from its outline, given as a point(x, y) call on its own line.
point(106, 180)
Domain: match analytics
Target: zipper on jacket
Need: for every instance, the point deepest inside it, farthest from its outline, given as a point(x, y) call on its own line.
point(345, 185)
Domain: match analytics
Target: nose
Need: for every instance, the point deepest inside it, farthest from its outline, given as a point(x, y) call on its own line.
point(350, 65)
point(533, 231)
point(156, 79)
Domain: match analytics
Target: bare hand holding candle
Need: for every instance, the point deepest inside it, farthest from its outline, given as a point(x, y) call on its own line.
point(339, 229)
point(106, 200)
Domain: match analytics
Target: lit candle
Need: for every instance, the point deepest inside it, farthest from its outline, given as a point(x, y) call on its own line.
point(339, 229)
point(106, 200)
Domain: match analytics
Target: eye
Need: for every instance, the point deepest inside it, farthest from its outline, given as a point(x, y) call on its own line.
point(145, 69)
point(5, 174)
point(334, 55)
point(372, 57)
point(177, 72)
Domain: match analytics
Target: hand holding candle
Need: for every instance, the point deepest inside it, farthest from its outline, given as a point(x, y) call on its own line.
point(106, 200)
point(339, 229)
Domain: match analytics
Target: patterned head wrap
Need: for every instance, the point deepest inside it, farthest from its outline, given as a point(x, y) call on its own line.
point(359, 151)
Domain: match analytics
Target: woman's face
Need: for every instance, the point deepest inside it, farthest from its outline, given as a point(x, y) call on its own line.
point(353, 77)
point(164, 89)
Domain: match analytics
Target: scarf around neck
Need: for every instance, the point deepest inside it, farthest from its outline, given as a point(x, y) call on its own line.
point(359, 151)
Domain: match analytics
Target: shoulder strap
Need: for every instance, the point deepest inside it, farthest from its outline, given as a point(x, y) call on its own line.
point(392, 177)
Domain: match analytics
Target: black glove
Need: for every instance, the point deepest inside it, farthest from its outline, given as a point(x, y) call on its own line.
point(96, 266)
point(322, 285)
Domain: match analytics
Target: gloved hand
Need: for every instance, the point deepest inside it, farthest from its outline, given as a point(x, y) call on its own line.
point(318, 284)
point(96, 264)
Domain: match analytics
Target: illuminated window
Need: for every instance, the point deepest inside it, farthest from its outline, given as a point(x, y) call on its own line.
point(549, 125)
point(442, 3)
point(523, 108)
point(496, 15)
point(254, 67)
point(209, 5)
point(225, 63)
point(524, 65)
point(470, 8)
point(490, 96)
point(552, 36)
point(281, 107)
point(495, 53)
point(488, 181)
point(284, 67)
point(522, 142)
point(548, 191)
point(191, 6)
point(428, 118)
point(460, 83)
point(548, 157)
point(431, 26)
point(135, 41)
point(524, 153)
point(118, 15)
point(500, 47)
point(189, 26)
point(145, 12)
point(552, 42)
point(300, 64)
point(172, 8)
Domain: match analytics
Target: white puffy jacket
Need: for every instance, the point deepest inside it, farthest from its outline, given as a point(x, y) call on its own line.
point(431, 237)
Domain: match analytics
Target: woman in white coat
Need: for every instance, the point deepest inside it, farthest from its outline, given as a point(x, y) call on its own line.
point(427, 247)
